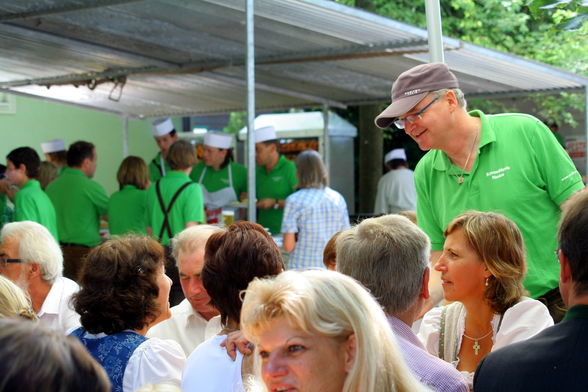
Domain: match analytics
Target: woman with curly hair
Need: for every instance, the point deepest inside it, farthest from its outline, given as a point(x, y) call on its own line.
point(124, 291)
point(482, 269)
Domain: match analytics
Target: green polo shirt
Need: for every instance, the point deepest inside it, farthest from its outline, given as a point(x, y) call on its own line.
point(155, 168)
point(6, 213)
point(79, 202)
point(32, 204)
point(215, 180)
point(521, 171)
point(127, 211)
point(189, 206)
point(277, 184)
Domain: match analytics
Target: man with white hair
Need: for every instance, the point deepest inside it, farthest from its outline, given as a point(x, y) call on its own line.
point(193, 320)
point(31, 258)
point(396, 191)
point(389, 255)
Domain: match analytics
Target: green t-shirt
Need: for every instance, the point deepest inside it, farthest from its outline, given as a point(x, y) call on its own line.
point(188, 207)
point(6, 213)
point(127, 211)
point(79, 202)
point(215, 180)
point(32, 204)
point(521, 171)
point(155, 168)
point(277, 184)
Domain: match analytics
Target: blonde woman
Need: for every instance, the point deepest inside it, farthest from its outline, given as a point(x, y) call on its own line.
point(14, 303)
point(320, 330)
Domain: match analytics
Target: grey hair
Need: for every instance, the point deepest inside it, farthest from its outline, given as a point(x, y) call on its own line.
point(192, 239)
point(461, 101)
point(36, 245)
point(311, 170)
point(388, 255)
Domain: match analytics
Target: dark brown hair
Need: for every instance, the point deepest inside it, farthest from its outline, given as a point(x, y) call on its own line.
point(119, 285)
point(573, 239)
point(232, 259)
point(133, 171)
point(78, 151)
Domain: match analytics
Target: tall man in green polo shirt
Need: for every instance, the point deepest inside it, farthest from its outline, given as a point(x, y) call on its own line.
point(165, 135)
point(79, 203)
point(275, 179)
point(507, 163)
point(30, 202)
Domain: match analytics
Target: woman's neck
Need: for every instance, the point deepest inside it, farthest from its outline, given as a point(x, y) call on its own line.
point(479, 315)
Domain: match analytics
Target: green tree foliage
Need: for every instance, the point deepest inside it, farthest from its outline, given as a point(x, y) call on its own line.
point(520, 27)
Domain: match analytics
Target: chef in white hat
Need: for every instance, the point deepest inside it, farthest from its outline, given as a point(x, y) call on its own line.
point(223, 181)
point(275, 179)
point(396, 190)
point(56, 153)
point(165, 135)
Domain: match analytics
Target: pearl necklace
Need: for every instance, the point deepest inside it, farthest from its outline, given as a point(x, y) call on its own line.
point(476, 345)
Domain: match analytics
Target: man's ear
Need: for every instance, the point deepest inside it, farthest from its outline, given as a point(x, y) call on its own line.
point(350, 352)
point(424, 293)
point(565, 271)
point(34, 270)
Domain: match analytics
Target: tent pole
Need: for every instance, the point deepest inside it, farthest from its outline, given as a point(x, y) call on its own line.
point(434, 29)
point(125, 136)
point(251, 212)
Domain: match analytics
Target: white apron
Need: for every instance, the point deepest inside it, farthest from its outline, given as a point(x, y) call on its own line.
point(215, 201)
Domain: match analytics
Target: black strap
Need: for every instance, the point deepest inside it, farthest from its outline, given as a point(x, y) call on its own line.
point(166, 225)
point(157, 165)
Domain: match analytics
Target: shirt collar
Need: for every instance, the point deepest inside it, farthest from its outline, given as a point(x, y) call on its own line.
point(577, 312)
point(442, 162)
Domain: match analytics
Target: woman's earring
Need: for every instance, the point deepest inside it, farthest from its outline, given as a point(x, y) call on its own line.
point(486, 282)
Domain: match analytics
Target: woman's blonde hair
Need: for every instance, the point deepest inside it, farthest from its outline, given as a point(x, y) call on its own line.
point(311, 170)
point(499, 244)
point(14, 302)
point(327, 303)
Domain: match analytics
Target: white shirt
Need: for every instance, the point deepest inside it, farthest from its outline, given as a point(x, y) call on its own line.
point(520, 322)
point(209, 369)
point(186, 326)
point(56, 312)
point(153, 362)
point(396, 192)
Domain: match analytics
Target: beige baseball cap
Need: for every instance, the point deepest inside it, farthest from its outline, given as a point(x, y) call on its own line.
point(412, 86)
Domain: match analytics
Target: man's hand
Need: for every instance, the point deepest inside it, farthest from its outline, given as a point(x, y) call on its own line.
point(266, 204)
point(236, 341)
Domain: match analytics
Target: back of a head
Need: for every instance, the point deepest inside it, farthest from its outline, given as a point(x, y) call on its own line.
point(28, 157)
point(311, 170)
point(14, 303)
point(35, 359)
point(78, 151)
point(133, 171)
point(573, 239)
point(36, 245)
point(330, 304)
point(388, 255)
point(47, 173)
point(232, 260)
point(181, 155)
point(118, 285)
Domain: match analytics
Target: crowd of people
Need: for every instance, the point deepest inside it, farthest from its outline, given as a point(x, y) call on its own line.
point(464, 294)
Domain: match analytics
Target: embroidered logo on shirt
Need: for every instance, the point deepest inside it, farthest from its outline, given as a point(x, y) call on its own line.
point(568, 176)
point(276, 179)
point(224, 180)
point(496, 174)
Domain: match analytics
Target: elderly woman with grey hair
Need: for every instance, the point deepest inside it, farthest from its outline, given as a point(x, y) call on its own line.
point(315, 212)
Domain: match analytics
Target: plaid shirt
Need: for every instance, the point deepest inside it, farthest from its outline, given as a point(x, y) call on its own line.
point(315, 214)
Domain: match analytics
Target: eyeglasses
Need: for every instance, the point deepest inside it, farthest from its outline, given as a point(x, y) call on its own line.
point(400, 122)
point(4, 261)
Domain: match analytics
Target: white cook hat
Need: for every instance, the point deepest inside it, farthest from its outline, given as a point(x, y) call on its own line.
point(397, 153)
point(265, 133)
point(162, 126)
point(218, 139)
point(53, 146)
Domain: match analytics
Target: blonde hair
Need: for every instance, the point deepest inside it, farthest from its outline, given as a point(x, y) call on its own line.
point(14, 302)
point(499, 244)
point(327, 303)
